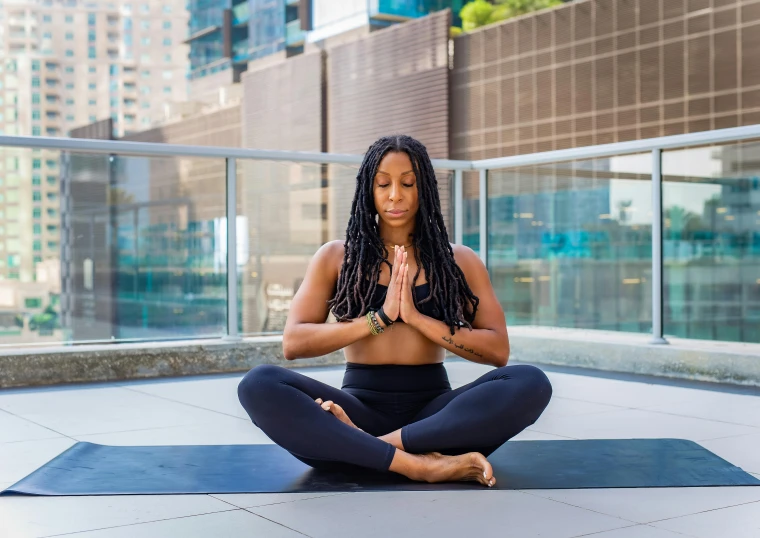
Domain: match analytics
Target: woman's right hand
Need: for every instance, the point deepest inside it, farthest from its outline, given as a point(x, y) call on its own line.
point(393, 297)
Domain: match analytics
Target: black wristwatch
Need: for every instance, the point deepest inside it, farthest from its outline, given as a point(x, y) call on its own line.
point(383, 316)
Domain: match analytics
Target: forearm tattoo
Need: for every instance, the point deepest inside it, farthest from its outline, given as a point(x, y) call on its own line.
point(449, 340)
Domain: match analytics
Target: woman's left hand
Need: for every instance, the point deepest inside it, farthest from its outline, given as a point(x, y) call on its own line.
point(407, 311)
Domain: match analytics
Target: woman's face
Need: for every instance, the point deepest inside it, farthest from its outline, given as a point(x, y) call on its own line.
point(395, 190)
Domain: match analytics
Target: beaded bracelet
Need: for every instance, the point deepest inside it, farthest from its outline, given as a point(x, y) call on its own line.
point(374, 326)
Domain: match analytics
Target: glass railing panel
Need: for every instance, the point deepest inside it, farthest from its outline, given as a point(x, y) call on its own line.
point(569, 244)
point(711, 242)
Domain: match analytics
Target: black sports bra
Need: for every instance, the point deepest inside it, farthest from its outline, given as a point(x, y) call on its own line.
point(420, 292)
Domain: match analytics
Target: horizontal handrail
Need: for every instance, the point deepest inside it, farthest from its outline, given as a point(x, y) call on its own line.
point(717, 136)
point(155, 149)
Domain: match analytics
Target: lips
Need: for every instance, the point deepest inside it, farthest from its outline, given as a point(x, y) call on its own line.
point(396, 212)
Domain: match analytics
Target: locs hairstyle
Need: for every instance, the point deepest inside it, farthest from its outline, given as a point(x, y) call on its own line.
point(365, 251)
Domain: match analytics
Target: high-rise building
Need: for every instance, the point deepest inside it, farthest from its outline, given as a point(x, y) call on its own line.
point(225, 35)
point(66, 63)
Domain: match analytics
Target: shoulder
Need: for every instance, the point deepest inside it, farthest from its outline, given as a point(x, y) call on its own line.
point(329, 257)
point(470, 263)
point(465, 257)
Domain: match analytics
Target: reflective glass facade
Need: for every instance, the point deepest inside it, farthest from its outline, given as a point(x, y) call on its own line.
point(266, 27)
point(415, 8)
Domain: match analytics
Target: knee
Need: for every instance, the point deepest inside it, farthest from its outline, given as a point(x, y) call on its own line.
point(257, 382)
point(537, 384)
point(533, 383)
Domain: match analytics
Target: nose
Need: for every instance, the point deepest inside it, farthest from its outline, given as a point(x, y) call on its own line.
point(395, 193)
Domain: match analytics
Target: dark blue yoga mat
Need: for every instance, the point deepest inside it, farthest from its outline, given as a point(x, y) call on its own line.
point(89, 469)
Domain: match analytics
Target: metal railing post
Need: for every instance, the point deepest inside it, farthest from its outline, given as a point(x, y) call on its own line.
point(483, 216)
point(657, 306)
point(232, 283)
point(458, 208)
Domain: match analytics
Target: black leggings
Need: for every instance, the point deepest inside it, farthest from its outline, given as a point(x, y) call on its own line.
point(379, 399)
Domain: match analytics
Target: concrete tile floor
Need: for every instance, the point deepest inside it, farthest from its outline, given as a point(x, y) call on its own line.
point(36, 425)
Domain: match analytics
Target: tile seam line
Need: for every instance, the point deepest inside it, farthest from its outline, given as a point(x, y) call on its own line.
point(634, 523)
point(272, 504)
point(139, 523)
point(705, 511)
point(181, 403)
point(275, 522)
point(37, 424)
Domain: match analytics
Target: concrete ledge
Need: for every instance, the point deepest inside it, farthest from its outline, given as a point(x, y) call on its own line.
point(718, 362)
point(696, 360)
point(118, 362)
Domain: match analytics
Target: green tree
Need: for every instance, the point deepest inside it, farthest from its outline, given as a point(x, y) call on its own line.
point(481, 12)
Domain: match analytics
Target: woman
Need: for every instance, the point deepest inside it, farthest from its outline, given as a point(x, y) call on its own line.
point(403, 296)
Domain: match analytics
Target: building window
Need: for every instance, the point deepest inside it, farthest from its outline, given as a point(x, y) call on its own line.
point(167, 42)
point(92, 102)
point(91, 35)
point(69, 19)
point(113, 70)
point(167, 8)
point(47, 18)
point(69, 53)
point(168, 58)
point(69, 69)
point(93, 119)
point(92, 69)
point(91, 52)
point(36, 131)
point(146, 41)
point(167, 25)
point(91, 19)
point(70, 118)
point(167, 89)
point(37, 229)
point(35, 114)
point(52, 131)
point(70, 102)
point(36, 196)
point(35, 65)
point(92, 86)
point(51, 196)
point(36, 213)
point(145, 25)
point(52, 180)
point(69, 85)
point(36, 164)
point(36, 180)
point(167, 75)
point(35, 82)
point(51, 163)
point(69, 36)
point(145, 8)
point(52, 244)
point(37, 245)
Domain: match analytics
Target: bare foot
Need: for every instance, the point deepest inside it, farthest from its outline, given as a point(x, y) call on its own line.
point(338, 411)
point(471, 466)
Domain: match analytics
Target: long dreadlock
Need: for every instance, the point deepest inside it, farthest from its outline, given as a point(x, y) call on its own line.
point(365, 251)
